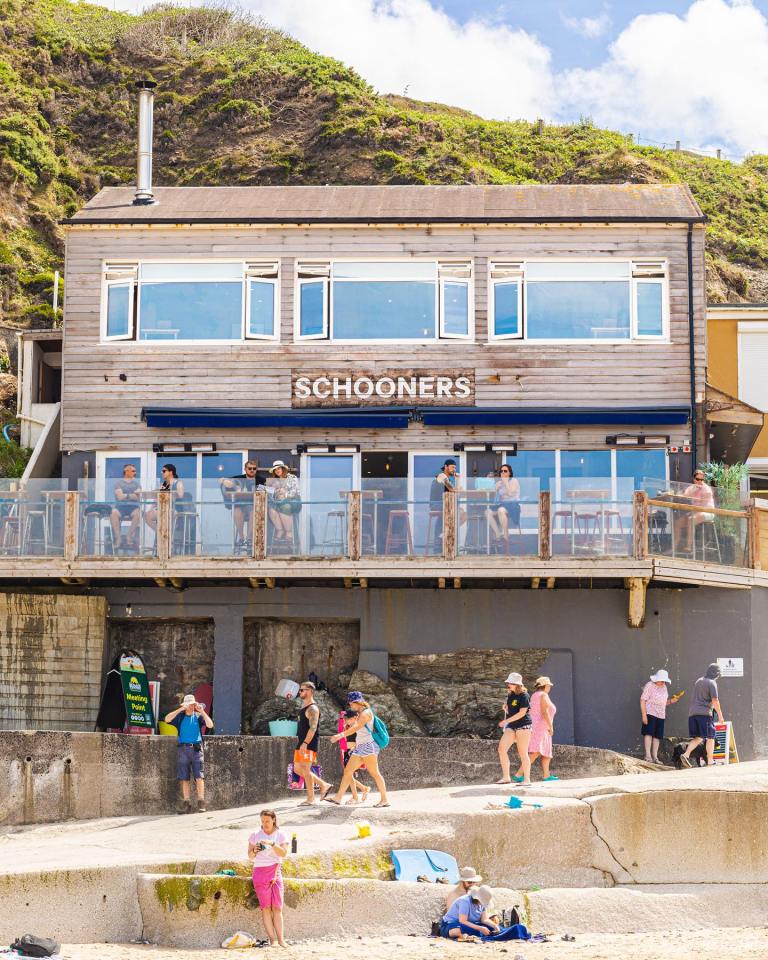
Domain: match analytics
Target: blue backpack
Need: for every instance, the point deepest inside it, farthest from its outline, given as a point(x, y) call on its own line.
point(379, 732)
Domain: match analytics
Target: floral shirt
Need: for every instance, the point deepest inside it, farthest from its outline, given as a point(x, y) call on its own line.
point(655, 699)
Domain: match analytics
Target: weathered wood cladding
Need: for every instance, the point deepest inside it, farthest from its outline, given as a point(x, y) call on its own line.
point(101, 411)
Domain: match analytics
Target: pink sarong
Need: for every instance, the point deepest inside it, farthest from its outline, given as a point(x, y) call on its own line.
point(268, 884)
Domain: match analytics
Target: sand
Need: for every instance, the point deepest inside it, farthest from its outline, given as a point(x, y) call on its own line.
point(735, 943)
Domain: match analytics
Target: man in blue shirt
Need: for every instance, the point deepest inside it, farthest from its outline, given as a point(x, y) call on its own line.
point(468, 916)
point(190, 719)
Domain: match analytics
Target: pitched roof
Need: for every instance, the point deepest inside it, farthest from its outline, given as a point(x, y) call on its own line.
point(534, 203)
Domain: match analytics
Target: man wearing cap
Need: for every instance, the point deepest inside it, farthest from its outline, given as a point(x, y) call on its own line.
point(468, 877)
point(447, 480)
point(305, 754)
point(704, 700)
point(468, 916)
point(190, 720)
point(653, 708)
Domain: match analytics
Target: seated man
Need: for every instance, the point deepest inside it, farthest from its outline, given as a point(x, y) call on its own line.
point(468, 877)
point(128, 499)
point(242, 508)
point(699, 494)
point(468, 916)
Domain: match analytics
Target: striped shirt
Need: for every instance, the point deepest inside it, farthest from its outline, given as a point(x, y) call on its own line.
point(655, 699)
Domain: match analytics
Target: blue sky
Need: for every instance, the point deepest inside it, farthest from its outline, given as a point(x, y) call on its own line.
point(664, 70)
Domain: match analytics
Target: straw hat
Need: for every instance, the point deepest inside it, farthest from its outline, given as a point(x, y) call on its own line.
point(188, 700)
point(469, 875)
point(482, 894)
point(279, 463)
point(544, 682)
point(660, 675)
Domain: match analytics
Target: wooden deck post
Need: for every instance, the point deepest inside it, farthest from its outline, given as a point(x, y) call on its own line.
point(259, 525)
point(71, 517)
point(753, 537)
point(637, 588)
point(640, 524)
point(164, 525)
point(449, 525)
point(545, 526)
point(354, 524)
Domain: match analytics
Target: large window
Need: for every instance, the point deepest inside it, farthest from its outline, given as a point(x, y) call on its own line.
point(190, 302)
point(390, 301)
point(570, 300)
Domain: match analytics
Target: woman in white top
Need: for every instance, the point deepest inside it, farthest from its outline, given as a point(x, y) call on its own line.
point(284, 500)
point(366, 750)
point(267, 848)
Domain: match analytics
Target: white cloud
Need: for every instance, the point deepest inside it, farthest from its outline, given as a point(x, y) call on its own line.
point(398, 44)
point(589, 27)
point(701, 78)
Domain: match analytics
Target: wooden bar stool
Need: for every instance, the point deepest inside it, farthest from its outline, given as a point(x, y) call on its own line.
point(398, 537)
point(434, 528)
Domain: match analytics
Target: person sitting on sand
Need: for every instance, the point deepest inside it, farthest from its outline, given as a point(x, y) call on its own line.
point(467, 917)
point(468, 878)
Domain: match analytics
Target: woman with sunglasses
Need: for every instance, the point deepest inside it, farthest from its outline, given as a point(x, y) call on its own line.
point(170, 482)
point(700, 494)
point(516, 727)
point(506, 506)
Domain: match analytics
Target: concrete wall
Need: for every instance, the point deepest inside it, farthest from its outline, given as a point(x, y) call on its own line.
point(51, 653)
point(599, 664)
point(48, 777)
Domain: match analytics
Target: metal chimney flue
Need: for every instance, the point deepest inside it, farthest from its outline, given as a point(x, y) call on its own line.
point(144, 193)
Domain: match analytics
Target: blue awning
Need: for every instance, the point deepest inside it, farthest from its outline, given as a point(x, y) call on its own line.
point(518, 416)
point(398, 418)
point(384, 418)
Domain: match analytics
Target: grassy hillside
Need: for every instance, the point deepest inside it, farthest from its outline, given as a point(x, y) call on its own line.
point(239, 103)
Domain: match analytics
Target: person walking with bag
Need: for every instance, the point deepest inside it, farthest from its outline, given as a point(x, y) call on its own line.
point(370, 738)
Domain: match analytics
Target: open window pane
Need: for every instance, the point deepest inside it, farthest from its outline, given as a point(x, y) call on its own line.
point(383, 310)
point(650, 311)
point(506, 309)
point(565, 269)
point(119, 310)
point(312, 309)
point(191, 311)
point(573, 310)
point(261, 308)
point(191, 271)
point(455, 309)
point(393, 270)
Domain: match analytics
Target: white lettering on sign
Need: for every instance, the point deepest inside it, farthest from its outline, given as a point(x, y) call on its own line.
point(389, 386)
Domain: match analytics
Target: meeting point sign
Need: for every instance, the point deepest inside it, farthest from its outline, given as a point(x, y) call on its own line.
point(138, 702)
point(334, 388)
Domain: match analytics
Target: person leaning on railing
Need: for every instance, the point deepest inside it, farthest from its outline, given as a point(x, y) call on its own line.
point(700, 494)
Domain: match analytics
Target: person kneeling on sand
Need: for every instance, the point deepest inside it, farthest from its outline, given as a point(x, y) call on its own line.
point(468, 916)
point(468, 878)
point(267, 848)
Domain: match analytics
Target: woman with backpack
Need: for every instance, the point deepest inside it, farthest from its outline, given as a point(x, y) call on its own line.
point(370, 738)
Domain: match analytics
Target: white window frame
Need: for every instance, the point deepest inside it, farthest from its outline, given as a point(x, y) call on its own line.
point(135, 300)
point(639, 271)
point(252, 276)
point(129, 272)
point(466, 264)
point(324, 334)
point(515, 275)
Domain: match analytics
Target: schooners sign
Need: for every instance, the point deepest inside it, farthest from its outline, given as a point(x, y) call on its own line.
point(316, 388)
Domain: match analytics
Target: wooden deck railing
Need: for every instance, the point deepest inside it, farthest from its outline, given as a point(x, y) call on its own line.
point(645, 528)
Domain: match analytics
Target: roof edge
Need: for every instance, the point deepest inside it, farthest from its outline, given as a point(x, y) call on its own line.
point(310, 221)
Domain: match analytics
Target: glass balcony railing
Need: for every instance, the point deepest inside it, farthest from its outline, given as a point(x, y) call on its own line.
point(32, 517)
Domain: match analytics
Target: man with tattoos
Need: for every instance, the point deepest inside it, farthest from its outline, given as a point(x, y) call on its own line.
point(305, 754)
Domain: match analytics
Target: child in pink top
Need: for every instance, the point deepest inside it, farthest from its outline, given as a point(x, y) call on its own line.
point(542, 712)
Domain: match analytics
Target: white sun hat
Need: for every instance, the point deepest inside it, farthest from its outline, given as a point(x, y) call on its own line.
point(660, 675)
point(483, 895)
point(516, 678)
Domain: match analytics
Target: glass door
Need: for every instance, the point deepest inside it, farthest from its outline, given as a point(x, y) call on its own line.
point(425, 507)
point(327, 479)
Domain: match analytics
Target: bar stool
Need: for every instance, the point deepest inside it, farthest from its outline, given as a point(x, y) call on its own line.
point(583, 521)
point(613, 537)
point(185, 522)
point(335, 531)
point(35, 514)
point(434, 528)
point(97, 530)
point(401, 537)
point(714, 545)
point(476, 530)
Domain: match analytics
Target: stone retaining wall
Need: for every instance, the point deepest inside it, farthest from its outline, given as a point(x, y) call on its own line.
point(50, 776)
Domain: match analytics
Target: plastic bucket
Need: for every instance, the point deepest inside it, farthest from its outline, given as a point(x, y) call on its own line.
point(283, 728)
point(288, 689)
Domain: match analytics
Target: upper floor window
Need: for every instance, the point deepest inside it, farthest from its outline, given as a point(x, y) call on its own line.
point(182, 302)
point(389, 301)
point(571, 300)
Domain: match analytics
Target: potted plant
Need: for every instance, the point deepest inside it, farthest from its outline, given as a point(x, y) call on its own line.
point(727, 481)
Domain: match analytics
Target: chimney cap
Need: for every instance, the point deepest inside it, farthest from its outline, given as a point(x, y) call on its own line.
point(145, 84)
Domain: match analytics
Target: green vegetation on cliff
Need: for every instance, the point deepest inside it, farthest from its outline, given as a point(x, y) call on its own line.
point(239, 103)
